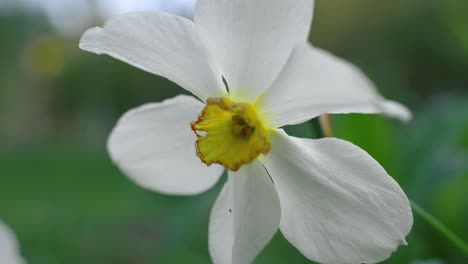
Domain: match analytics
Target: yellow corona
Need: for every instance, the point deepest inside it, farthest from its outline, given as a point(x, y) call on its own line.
point(230, 133)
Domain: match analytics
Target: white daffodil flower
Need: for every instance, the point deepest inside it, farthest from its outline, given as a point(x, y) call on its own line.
point(9, 253)
point(328, 197)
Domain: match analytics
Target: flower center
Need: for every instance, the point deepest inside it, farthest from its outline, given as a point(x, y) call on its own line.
point(229, 133)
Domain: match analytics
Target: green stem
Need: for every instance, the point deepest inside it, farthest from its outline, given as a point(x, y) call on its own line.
point(457, 241)
point(326, 124)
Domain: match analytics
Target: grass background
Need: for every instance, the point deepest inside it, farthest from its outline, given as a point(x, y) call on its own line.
point(69, 204)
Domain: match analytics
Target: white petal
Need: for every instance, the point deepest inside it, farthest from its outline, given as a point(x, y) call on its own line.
point(8, 246)
point(159, 43)
point(252, 40)
point(338, 205)
point(315, 82)
point(154, 145)
point(245, 216)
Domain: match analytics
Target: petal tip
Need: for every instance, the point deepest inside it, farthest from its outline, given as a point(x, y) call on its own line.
point(396, 110)
point(89, 40)
point(404, 242)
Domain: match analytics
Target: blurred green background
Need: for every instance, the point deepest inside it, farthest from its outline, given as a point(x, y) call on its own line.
point(67, 202)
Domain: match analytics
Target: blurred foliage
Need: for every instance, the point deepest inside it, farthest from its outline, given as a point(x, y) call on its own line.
point(69, 204)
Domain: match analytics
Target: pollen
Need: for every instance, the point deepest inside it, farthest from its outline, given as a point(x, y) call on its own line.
point(230, 133)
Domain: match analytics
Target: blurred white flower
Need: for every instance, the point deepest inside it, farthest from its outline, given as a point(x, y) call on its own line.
point(9, 250)
point(70, 17)
point(329, 198)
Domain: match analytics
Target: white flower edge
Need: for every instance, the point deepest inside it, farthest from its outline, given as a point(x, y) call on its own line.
point(297, 81)
point(338, 205)
point(252, 40)
point(154, 146)
point(162, 44)
point(9, 246)
point(315, 82)
point(126, 38)
point(245, 216)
